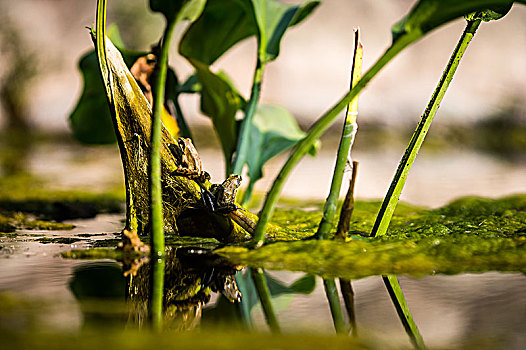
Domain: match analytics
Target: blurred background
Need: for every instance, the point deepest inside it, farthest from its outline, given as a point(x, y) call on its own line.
point(476, 145)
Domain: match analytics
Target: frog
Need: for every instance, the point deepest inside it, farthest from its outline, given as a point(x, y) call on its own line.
point(220, 199)
point(188, 160)
point(225, 194)
point(224, 202)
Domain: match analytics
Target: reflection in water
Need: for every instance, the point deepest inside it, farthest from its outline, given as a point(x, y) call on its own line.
point(191, 275)
point(99, 287)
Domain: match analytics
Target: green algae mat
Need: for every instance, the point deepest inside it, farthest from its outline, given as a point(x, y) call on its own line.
point(469, 235)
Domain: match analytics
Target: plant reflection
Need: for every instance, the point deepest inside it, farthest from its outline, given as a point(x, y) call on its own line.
point(190, 277)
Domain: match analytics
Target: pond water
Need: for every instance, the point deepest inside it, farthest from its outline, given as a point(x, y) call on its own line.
point(42, 291)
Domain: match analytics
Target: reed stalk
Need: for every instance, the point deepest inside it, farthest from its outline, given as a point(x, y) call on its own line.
point(334, 304)
point(347, 139)
point(341, 233)
point(156, 205)
point(264, 297)
point(398, 299)
point(155, 303)
point(393, 194)
point(347, 206)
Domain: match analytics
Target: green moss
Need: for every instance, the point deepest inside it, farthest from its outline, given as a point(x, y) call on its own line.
point(13, 221)
point(6, 225)
point(293, 224)
point(58, 240)
point(93, 254)
point(8, 234)
point(468, 235)
point(27, 194)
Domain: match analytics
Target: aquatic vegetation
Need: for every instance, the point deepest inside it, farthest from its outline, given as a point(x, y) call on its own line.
point(28, 194)
point(469, 235)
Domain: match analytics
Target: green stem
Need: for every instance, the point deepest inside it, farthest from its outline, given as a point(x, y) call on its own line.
point(393, 194)
point(397, 296)
point(264, 297)
point(156, 300)
point(349, 131)
point(348, 299)
point(347, 206)
point(246, 125)
point(316, 131)
point(334, 303)
point(156, 205)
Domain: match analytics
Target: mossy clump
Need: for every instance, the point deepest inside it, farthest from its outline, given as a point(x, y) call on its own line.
point(468, 235)
point(27, 194)
point(58, 240)
point(6, 225)
point(13, 221)
point(94, 254)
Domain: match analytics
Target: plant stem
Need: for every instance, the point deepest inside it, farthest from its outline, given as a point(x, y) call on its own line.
point(264, 297)
point(334, 303)
point(246, 125)
point(349, 131)
point(393, 194)
point(347, 206)
point(156, 205)
point(155, 306)
point(348, 298)
point(397, 296)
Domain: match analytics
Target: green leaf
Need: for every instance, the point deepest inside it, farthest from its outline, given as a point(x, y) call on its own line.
point(274, 130)
point(426, 15)
point(90, 120)
point(273, 19)
point(303, 285)
point(179, 10)
point(220, 101)
point(491, 14)
point(190, 86)
point(222, 24)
